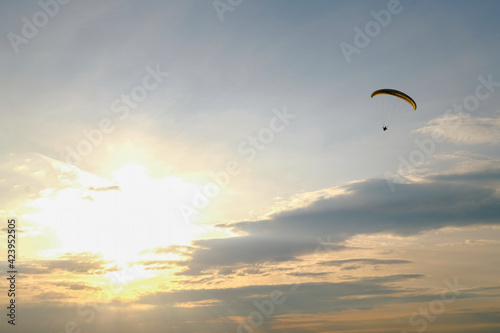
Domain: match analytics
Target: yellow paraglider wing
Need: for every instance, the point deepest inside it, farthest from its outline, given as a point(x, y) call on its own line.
point(396, 93)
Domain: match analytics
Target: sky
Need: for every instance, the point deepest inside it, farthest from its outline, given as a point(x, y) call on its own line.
point(220, 166)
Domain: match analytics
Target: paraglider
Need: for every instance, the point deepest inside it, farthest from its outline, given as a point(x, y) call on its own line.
point(391, 106)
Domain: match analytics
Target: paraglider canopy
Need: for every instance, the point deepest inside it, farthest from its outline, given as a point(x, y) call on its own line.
point(393, 104)
point(396, 93)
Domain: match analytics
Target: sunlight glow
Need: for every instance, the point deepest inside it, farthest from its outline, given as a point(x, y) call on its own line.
point(131, 214)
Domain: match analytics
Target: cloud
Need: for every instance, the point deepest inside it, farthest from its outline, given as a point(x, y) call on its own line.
point(307, 298)
point(243, 250)
point(465, 129)
point(175, 249)
point(469, 242)
point(73, 285)
point(81, 263)
point(309, 274)
point(350, 268)
point(250, 271)
point(156, 264)
point(107, 188)
point(216, 309)
point(488, 175)
point(51, 295)
point(365, 261)
point(365, 207)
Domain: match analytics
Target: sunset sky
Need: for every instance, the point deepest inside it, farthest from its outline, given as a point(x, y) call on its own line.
point(219, 166)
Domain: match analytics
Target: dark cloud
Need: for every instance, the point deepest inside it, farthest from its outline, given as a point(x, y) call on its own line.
point(54, 317)
point(308, 274)
point(82, 263)
point(210, 309)
point(245, 249)
point(350, 268)
point(365, 261)
point(250, 271)
point(73, 286)
point(51, 295)
point(367, 207)
point(322, 297)
point(225, 271)
point(484, 175)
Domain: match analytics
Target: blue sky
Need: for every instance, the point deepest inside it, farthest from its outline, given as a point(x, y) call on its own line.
point(175, 167)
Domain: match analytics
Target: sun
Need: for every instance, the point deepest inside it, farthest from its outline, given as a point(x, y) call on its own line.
point(143, 213)
point(119, 218)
